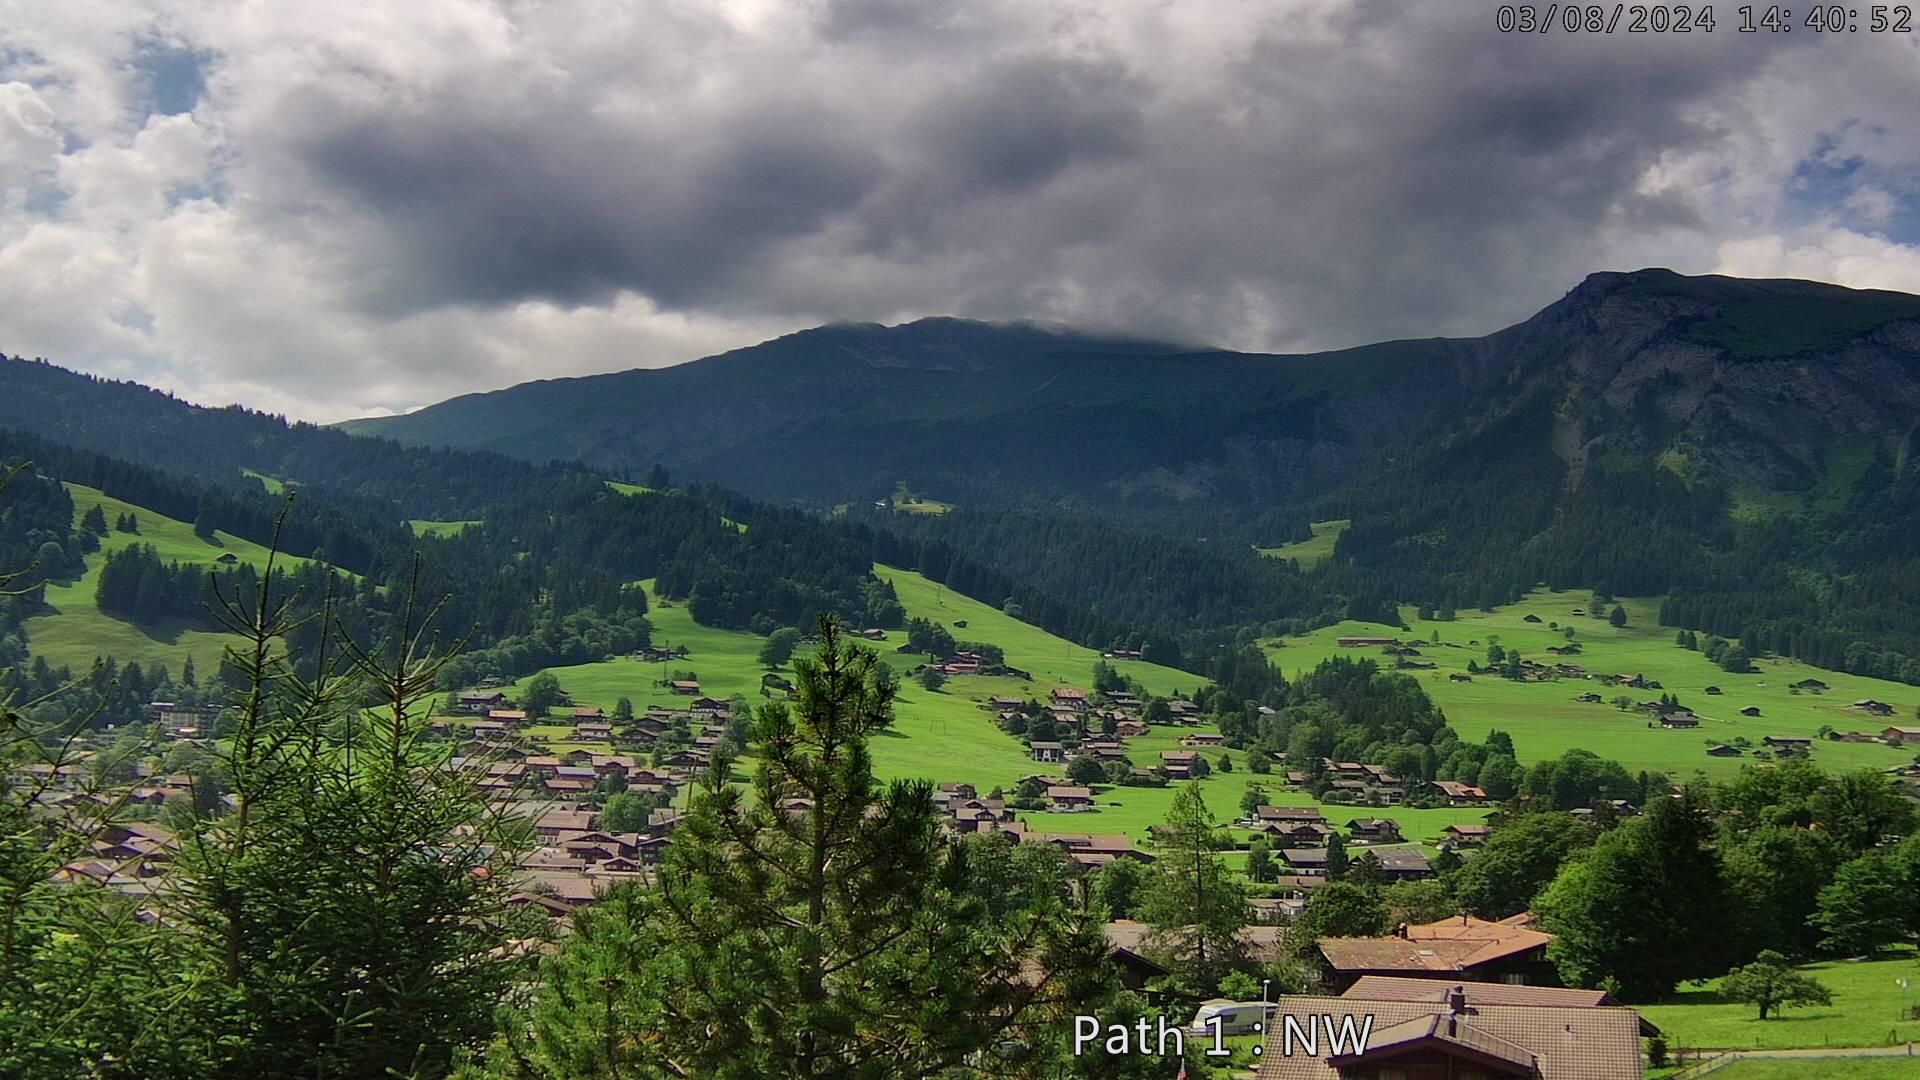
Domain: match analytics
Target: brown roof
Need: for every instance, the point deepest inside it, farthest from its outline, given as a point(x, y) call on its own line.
point(1449, 945)
point(1389, 988)
point(1562, 1043)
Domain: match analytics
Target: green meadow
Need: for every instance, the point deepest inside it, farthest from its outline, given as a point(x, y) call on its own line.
point(1545, 720)
point(1312, 551)
point(1868, 1002)
point(439, 528)
point(74, 631)
point(949, 735)
point(1884, 1068)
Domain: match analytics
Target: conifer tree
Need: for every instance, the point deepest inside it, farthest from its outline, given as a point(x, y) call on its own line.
point(824, 927)
point(1197, 907)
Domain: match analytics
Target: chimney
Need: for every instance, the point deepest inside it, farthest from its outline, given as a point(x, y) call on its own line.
point(1457, 1001)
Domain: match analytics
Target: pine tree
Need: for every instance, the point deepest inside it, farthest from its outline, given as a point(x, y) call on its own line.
point(847, 940)
point(1196, 905)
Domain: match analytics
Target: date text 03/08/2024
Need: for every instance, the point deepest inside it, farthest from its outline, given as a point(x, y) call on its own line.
point(1702, 18)
point(1312, 1034)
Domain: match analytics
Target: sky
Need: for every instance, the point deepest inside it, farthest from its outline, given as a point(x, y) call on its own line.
point(337, 210)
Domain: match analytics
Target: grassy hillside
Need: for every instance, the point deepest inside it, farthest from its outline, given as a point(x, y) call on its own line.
point(1895, 1068)
point(1310, 552)
point(439, 528)
point(948, 735)
point(1866, 1010)
point(1545, 720)
point(74, 631)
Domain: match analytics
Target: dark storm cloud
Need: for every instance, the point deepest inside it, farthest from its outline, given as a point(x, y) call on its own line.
point(470, 207)
point(1393, 169)
point(1015, 125)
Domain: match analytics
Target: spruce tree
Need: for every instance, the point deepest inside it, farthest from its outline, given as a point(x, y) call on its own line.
point(1197, 907)
point(827, 926)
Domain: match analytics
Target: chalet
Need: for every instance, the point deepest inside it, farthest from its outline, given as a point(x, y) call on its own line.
point(1459, 676)
point(1004, 704)
point(1178, 763)
point(1813, 685)
point(1781, 744)
point(1674, 721)
point(1713, 690)
point(1403, 864)
point(1901, 736)
point(1291, 814)
point(1877, 708)
point(1122, 654)
point(1724, 750)
point(874, 633)
point(1130, 729)
point(1458, 794)
point(1049, 752)
point(685, 687)
point(1305, 861)
point(594, 732)
point(487, 729)
point(1751, 710)
point(1088, 850)
point(1466, 835)
point(480, 702)
point(1589, 697)
point(1508, 951)
point(709, 706)
point(1066, 697)
point(588, 713)
point(1070, 798)
point(1204, 739)
point(1465, 1031)
point(1374, 831)
point(1364, 642)
point(509, 717)
point(1297, 834)
point(1183, 710)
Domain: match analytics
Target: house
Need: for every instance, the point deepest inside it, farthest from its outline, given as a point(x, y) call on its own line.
point(1751, 710)
point(1070, 798)
point(1714, 690)
point(480, 702)
point(1877, 708)
point(1289, 814)
point(509, 717)
point(685, 687)
point(1509, 950)
point(1466, 1032)
point(1297, 834)
point(594, 732)
point(1364, 642)
point(1204, 739)
point(1086, 849)
point(1458, 794)
point(1049, 752)
point(1004, 704)
point(1782, 744)
point(709, 706)
point(1391, 988)
point(1374, 831)
point(1305, 862)
point(1066, 697)
point(1723, 750)
point(1403, 864)
point(1901, 736)
point(1814, 685)
point(1459, 676)
point(1674, 721)
point(1178, 763)
point(1467, 835)
point(588, 713)
point(1589, 697)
